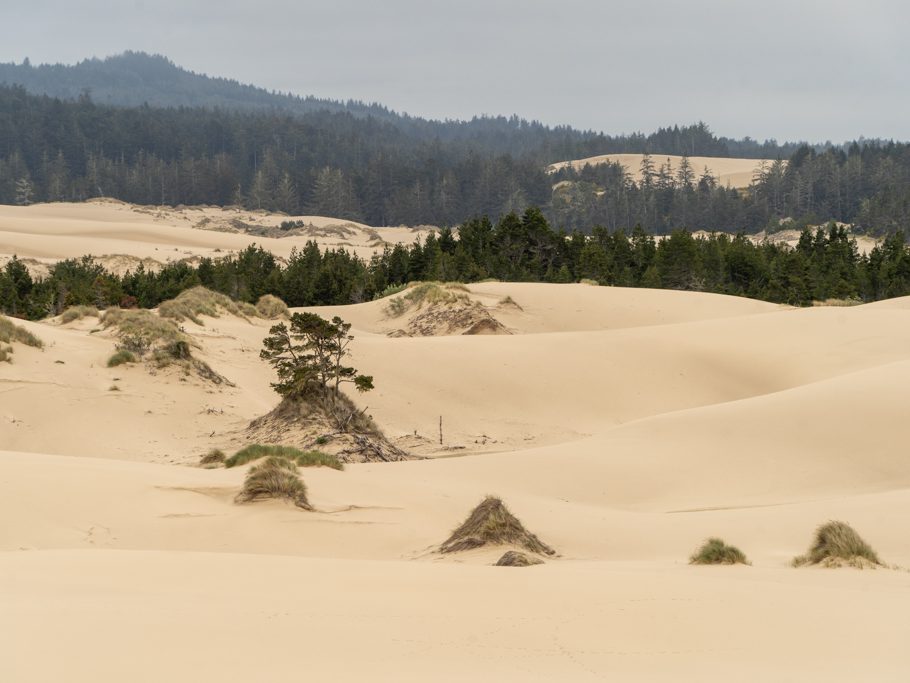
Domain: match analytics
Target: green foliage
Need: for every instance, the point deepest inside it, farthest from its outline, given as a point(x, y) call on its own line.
point(275, 477)
point(309, 355)
point(199, 301)
point(10, 332)
point(120, 357)
point(715, 551)
point(299, 457)
point(837, 541)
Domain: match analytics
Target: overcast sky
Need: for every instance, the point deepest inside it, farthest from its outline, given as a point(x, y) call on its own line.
point(794, 69)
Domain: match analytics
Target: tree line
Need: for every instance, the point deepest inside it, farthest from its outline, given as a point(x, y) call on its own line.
point(825, 264)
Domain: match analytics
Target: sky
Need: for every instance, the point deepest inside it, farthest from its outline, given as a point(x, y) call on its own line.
point(789, 70)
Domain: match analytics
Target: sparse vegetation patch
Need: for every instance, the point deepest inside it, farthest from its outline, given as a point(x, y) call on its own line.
point(295, 455)
point(838, 544)
point(491, 523)
point(513, 558)
point(271, 307)
point(120, 357)
point(715, 551)
point(199, 301)
point(213, 457)
point(10, 332)
point(275, 477)
point(74, 313)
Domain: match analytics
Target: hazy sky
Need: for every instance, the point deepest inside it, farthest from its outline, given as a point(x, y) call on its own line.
point(794, 69)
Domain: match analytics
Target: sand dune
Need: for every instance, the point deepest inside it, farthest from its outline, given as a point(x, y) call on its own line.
point(730, 172)
point(621, 426)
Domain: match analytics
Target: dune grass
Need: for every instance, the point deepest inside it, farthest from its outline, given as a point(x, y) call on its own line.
point(837, 543)
point(513, 558)
point(491, 523)
point(715, 551)
point(120, 357)
point(271, 307)
point(198, 301)
point(140, 330)
point(74, 313)
point(6, 354)
point(10, 332)
point(419, 294)
point(213, 457)
point(295, 455)
point(274, 477)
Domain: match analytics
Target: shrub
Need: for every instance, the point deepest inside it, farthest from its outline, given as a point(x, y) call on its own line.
point(715, 551)
point(140, 330)
point(120, 357)
point(837, 543)
point(295, 455)
point(74, 313)
point(589, 282)
point(390, 290)
point(419, 294)
point(113, 387)
point(213, 457)
point(274, 478)
point(271, 307)
point(491, 523)
point(10, 332)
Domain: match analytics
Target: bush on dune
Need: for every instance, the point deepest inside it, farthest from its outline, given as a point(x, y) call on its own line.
point(295, 455)
point(419, 294)
point(140, 330)
point(275, 477)
point(120, 357)
point(836, 544)
point(715, 551)
point(213, 457)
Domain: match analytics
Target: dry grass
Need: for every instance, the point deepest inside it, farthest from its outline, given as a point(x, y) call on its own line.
point(74, 313)
point(491, 523)
point(589, 282)
point(295, 455)
point(140, 330)
point(199, 301)
point(120, 357)
point(274, 478)
point(715, 551)
point(271, 307)
point(838, 543)
point(10, 332)
point(213, 457)
point(513, 558)
point(420, 294)
point(6, 354)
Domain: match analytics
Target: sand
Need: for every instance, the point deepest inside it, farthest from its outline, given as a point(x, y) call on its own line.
point(727, 171)
point(623, 427)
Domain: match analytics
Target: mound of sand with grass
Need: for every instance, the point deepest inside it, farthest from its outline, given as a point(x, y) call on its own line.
point(491, 524)
point(429, 309)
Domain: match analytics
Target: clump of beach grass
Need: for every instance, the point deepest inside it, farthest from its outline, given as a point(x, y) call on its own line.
point(74, 313)
point(491, 523)
point(419, 294)
point(10, 332)
point(214, 457)
point(271, 307)
point(715, 551)
point(274, 477)
point(198, 301)
point(837, 544)
point(140, 330)
point(513, 558)
point(295, 455)
point(120, 357)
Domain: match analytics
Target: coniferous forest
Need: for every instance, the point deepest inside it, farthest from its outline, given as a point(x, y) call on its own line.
point(825, 264)
point(166, 136)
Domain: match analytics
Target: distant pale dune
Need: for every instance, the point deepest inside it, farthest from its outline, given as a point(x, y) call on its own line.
point(729, 172)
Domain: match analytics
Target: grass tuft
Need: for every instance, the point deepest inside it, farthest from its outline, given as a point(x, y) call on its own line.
point(491, 523)
point(419, 294)
point(6, 354)
point(74, 313)
point(213, 457)
point(10, 332)
point(275, 477)
point(835, 543)
point(198, 301)
point(715, 551)
point(295, 455)
point(140, 330)
point(271, 307)
point(513, 558)
point(120, 357)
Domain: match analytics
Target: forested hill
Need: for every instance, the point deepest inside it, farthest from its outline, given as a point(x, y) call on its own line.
point(134, 79)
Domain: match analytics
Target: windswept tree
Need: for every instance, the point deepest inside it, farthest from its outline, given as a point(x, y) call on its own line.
point(309, 357)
